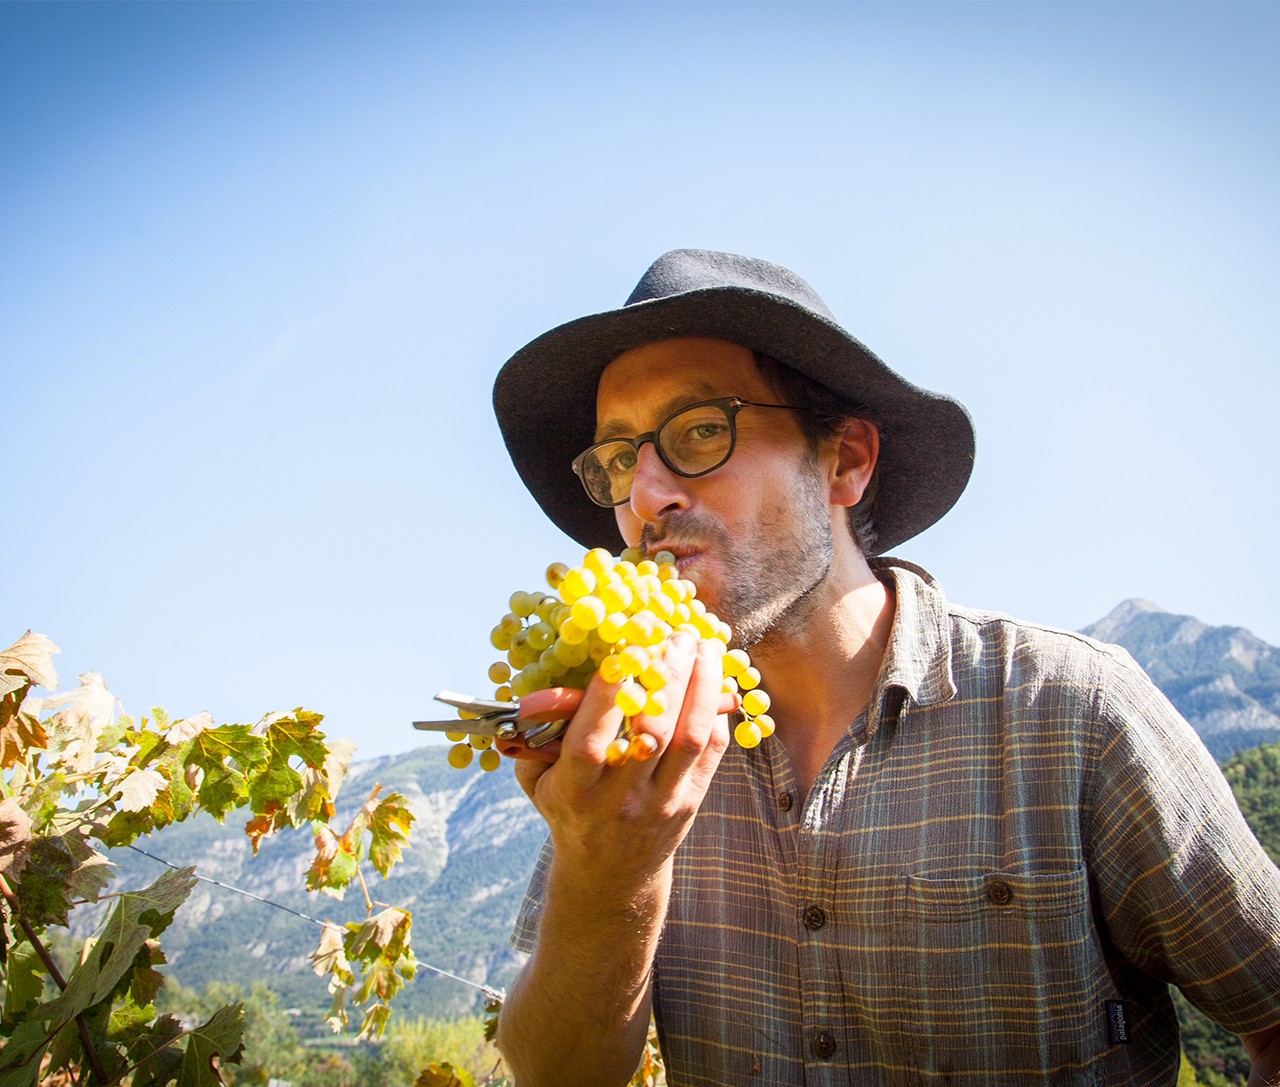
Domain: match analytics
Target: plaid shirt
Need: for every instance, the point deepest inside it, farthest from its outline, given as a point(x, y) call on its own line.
point(994, 876)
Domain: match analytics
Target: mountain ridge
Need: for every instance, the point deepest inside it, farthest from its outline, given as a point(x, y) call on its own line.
point(1223, 679)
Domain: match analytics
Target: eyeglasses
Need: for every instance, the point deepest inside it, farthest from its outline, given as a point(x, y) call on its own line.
point(692, 442)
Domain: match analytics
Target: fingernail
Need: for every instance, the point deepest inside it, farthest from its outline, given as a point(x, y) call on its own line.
point(682, 641)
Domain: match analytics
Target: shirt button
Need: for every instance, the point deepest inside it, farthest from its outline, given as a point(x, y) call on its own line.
point(814, 917)
point(824, 1045)
point(999, 892)
point(785, 801)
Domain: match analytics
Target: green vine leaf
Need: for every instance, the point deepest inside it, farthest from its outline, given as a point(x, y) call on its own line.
point(221, 1039)
point(155, 1057)
point(137, 917)
point(24, 981)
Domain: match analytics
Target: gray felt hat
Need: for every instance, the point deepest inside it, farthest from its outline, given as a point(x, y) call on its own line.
point(545, 395)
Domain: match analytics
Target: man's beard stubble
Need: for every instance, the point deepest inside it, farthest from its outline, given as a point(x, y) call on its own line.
point(765, 593)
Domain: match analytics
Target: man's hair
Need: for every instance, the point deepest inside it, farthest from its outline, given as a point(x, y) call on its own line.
point(826, 415)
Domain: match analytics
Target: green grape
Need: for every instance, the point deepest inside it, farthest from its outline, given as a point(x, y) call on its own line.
point(613, 616)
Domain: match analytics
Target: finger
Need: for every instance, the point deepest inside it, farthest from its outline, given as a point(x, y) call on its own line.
point(701, 730)
point(528, 772)
point(677, 666)
point(518, 749)
point(552, 704)
point(592, 728)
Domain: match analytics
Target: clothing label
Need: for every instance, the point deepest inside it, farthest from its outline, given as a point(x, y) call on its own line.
point(1118, 1022)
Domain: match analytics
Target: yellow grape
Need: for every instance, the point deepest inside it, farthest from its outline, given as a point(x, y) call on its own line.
point(614, 615)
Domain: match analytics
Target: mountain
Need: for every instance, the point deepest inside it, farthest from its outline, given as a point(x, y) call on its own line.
point(1223, 680)
point(476, 838)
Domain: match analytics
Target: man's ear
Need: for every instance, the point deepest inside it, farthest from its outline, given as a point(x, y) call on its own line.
point(857, 449)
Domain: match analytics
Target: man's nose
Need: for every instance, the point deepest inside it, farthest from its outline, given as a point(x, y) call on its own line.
point(655, 489)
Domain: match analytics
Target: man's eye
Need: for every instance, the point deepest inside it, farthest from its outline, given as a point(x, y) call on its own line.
point(705, 432)
point(622, 461)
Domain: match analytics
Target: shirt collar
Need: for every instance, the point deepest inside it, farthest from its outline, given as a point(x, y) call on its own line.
point(917, 662)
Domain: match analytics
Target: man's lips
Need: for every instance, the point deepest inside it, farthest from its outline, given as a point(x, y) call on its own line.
point(686, 555)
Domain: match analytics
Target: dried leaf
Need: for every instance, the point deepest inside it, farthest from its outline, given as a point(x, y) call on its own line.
point(92, 871)
point(15, 839)
point(19, 733)
point(320, 785)
point(28, 661)
point(384, 935)
point(189, 727)
point(138, 791)
point(83, 715)
point(330, 957)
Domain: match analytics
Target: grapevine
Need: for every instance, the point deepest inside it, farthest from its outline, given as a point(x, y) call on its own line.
point(613, 615)
point(78, 778)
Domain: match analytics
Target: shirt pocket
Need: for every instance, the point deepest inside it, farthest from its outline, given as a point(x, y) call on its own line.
point(1000, 977)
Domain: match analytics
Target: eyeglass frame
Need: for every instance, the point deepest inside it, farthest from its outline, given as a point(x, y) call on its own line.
point(730, 405)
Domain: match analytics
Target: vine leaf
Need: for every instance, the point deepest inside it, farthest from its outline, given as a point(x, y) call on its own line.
point(156, 1060)
point(19, 733)
point(188, 728)
point(138, 790)
point(28, 662)
point(15, 838)
point(330, 956)
point(24, 981)
point(137, 917)
point(321, 784)
point(334, 867)
point(219, 1039)
point(83, 713)
point(389, 822)
point(444, 1075)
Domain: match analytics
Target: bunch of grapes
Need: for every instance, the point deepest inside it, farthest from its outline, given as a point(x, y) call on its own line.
point(613, 615)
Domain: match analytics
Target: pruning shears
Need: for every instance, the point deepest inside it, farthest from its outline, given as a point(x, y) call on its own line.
point(537, 719)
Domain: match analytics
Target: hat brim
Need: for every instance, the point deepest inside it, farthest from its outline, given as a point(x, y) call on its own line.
point(545, 401)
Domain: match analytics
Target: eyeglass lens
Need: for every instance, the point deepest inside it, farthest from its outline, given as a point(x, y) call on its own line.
point(692, 442)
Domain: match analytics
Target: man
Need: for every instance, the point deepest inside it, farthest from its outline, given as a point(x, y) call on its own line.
point(974, 852)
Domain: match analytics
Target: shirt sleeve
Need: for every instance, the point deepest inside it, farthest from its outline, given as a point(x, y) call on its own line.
point(1187, 892)
point(525, 933)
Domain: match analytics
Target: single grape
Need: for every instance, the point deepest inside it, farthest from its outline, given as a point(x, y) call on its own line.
point(631, 698)
point(618, 751)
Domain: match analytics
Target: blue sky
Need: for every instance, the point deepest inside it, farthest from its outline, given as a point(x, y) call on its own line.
point(260, 263)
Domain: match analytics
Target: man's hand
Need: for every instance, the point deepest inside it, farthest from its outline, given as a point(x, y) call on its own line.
point(578, 1013)
point(590, 805)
